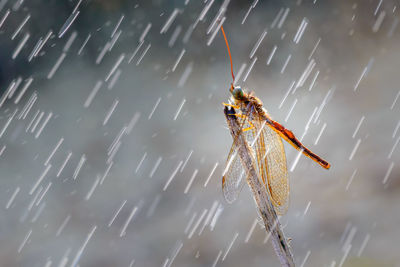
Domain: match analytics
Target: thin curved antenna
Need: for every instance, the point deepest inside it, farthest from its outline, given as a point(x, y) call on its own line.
point(230, 57)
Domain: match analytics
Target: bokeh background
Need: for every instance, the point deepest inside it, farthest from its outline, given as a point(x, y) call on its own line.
point(113, 140)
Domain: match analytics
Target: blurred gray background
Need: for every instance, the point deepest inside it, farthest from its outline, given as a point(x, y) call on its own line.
point(107, 103)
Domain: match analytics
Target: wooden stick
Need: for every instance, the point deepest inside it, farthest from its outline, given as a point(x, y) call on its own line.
point(267, 211)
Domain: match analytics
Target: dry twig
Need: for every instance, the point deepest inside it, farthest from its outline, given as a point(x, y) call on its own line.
point(267, 211)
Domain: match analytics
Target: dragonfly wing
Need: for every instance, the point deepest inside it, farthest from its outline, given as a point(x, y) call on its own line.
point(274, 168)
point(269, 153)
point(234, 176)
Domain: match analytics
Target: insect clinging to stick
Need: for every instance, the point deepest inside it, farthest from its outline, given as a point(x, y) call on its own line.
point(264, 136)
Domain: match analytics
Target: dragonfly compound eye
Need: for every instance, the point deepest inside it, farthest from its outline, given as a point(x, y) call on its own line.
point(237, 93)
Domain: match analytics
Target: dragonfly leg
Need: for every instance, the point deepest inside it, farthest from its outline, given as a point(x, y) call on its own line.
point(248, 128)
point(230, 105)
point(248, 121)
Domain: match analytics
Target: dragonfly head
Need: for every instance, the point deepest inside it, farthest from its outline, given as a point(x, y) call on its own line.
point(237, 92)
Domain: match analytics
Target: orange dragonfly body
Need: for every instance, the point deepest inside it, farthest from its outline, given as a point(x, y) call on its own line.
point(264, 136)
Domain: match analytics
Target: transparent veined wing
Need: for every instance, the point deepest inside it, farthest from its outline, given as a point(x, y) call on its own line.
point(234, 176)
point(275, 167)
point(271, 163)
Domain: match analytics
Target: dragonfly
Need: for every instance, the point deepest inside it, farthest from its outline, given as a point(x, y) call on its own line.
point(264, 136)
